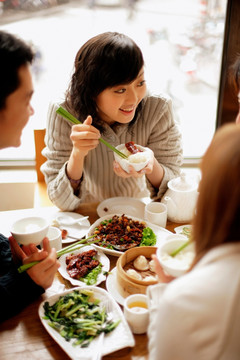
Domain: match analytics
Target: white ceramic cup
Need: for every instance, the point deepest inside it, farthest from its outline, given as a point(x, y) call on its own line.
point(136, 312)
point(156, 213)
point(55, 237)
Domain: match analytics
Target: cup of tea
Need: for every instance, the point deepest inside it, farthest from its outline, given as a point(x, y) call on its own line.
point(136, 312)
point(55, 237)
point(156, 213)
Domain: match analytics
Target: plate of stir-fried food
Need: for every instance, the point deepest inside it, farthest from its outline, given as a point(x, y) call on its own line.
point(76, 317)
point(85, 266)
point(116, 233)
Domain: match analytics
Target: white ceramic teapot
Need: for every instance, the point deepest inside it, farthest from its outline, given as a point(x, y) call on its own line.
point(181, 198)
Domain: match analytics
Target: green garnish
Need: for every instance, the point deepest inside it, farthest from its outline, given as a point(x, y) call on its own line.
point(148, 237)
point(64, 113)
point(91, 277)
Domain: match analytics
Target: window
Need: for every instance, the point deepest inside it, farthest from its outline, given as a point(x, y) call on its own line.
point(182, 44)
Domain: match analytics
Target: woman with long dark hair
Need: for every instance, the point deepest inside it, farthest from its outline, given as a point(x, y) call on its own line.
point(108, 94)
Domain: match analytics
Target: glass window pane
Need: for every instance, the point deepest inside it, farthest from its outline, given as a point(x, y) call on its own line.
point(181, 43)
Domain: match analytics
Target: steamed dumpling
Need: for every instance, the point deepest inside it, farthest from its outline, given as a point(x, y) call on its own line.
point(150, 278)
point(134, 274)
point(141, 263)
point(152, 266)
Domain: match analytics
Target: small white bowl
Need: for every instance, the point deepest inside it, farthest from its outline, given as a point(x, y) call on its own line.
point(179, 264)
point(125, 163)
point(30, 230)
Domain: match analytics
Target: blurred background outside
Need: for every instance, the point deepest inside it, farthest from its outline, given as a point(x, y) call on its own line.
point(181, 42)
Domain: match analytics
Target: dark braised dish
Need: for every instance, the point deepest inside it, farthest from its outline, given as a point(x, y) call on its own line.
point(123, 233)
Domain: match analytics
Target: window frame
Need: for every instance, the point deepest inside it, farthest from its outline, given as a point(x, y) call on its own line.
point(227, 101)
point(227, 105)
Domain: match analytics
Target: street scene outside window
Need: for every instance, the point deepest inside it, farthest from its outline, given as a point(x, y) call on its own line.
point(181, 42)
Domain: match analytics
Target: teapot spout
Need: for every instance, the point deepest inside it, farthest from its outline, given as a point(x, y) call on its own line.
point(171, 206)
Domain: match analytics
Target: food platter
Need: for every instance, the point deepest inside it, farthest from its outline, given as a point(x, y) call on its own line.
point(76, 231)
point(119, 338)
point(160, 232)
point(100, 256)
point(121, 205)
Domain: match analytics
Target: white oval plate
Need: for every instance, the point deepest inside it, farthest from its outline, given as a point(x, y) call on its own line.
point(111, 285)
point(160, 232)
point(121, 205)
point(100, 256)
point(77, 231)
point(119, 338)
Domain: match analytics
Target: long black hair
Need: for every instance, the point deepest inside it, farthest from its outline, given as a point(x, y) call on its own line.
point(104, 61)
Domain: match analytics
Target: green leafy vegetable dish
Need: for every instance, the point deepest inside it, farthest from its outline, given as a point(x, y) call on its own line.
point(78, 316)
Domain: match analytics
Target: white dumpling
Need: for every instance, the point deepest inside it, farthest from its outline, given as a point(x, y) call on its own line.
point(150, 278)
point(134, 274)
point(141, 263)
point(152, 266)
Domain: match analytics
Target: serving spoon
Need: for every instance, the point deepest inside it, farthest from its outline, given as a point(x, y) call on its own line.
point(68, 220)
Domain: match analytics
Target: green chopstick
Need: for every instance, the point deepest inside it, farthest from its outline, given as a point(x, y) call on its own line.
point(66, 250)
point(180, 248)
point(187, 232)
point(64, 113)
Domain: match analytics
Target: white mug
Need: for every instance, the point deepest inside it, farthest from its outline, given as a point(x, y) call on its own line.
point(156, 213)
point(136, 312)
point(55, 237)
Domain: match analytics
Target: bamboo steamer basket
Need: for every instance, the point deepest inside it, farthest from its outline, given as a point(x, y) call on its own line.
point(126, 284)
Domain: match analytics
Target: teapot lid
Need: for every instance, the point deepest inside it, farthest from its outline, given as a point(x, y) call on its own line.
point(183, 183)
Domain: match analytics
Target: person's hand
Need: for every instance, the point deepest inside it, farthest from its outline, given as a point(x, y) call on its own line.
point(42, 273)
point(85, 137)
point(162, 277)
point(132, 172)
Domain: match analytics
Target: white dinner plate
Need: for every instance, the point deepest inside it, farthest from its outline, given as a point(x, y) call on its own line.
point(160, 232)
point(100, 256)
point(121, 205)
point(77, 231)
point(111, 285)
point(119, 338)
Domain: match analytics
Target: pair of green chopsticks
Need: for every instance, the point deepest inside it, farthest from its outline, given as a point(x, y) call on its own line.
point(64, 113)
point(66, 250)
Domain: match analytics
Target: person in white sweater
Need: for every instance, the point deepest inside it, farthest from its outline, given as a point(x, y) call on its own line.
point(197, 316)
point(108, 94)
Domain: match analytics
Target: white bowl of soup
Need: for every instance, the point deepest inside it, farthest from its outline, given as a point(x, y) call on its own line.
point(180, 263)
point(30, 230)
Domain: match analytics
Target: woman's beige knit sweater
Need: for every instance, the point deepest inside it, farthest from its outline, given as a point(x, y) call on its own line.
point(155, 128)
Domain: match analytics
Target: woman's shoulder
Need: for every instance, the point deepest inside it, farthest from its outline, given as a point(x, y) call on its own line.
point(152, 98)
point(54, 104)
point(156, 102)
point(156, 106)
point(54, 119)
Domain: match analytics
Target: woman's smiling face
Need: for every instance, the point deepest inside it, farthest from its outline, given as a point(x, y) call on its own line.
point(119, 103)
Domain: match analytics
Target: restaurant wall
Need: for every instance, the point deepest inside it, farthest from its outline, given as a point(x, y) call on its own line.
point(17, 189)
